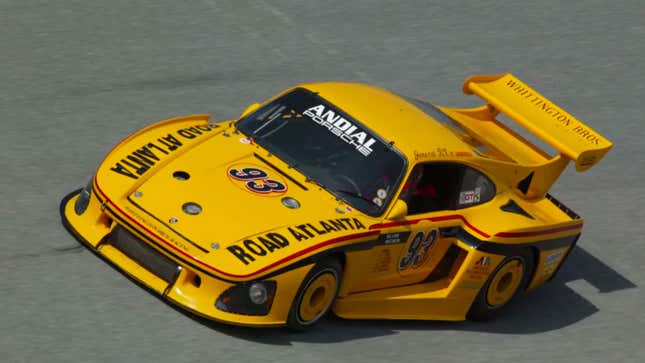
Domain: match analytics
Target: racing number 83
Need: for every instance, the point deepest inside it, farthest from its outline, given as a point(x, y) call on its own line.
point(418, 249)
point(257, 180)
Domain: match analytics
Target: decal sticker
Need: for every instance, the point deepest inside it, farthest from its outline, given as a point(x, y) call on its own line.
point(157, 229)
point(378, 201)
point(480, 270)
point(417, 251)
point(418, 155)
point(344, 129)
point(484, 261)
point(381, 193)
point(587, 160)
point(245, 140)
point(470, 196)
point(552, 110)
point(553, 258)
point(250, 249)
point(308, 230)
point(392, 238)
point(383, 261)
point(140, 160)
point(254, 179)
point(551, 262)
point(439, 153)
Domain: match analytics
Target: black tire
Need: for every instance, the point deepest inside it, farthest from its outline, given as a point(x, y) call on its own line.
point(481, 308)
point(325, 270)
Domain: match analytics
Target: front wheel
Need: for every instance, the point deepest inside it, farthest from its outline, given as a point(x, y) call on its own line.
point(316, 295)
point(508, 279)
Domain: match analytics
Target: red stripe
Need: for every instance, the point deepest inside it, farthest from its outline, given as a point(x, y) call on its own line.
point(316, 247)
point(538, 233)
point(431, 219)
point(393, 224)
point(266, 268)
point(374, 230)
point(460, 217)
point(475, 229)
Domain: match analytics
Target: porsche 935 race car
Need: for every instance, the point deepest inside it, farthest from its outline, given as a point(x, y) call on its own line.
point(343, 197)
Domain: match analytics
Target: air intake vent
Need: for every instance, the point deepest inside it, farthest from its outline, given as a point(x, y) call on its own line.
point(143, 254)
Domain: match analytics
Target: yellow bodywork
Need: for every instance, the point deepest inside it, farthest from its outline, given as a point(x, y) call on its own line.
point(241, 237)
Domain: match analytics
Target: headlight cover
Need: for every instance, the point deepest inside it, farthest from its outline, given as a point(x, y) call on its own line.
point(83, 199)
point(248, 298)
point(258, 293)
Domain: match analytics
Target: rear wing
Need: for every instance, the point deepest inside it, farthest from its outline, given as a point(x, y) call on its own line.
point(507, 94)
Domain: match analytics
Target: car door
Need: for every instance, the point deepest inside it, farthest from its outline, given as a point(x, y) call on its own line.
point(400, 253)
point(434, 200)
point(411, 250)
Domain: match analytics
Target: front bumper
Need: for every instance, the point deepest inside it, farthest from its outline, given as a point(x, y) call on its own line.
point(162, 273)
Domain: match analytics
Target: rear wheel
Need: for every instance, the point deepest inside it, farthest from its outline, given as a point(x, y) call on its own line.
point(504, 284)
point(316, 295)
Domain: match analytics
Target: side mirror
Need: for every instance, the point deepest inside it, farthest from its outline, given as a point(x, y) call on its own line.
point(399, 210)
point(252, 107)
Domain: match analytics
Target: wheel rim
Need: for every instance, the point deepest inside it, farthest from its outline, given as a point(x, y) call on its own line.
point(317, 297)
point(505, 283)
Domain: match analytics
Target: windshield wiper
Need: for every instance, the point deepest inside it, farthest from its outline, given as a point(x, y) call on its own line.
point(271, 117)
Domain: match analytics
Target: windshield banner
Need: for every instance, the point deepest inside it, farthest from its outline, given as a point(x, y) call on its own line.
point(339, 126)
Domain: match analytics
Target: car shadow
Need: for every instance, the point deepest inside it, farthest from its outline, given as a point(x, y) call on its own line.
point(550, 307)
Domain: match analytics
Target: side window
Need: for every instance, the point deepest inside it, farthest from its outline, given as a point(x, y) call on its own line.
point(475, 189)
point(445, 186)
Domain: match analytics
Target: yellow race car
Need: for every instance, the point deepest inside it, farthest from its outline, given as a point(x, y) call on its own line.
point(343, 197)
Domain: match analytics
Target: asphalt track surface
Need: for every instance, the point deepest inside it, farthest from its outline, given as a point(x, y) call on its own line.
point(77, 76)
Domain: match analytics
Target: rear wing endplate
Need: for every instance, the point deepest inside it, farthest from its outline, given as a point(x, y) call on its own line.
point(555, 126)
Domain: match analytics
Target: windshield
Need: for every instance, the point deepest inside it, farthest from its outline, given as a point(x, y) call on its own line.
point(329, 147)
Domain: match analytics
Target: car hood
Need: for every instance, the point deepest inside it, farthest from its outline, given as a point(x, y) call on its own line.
point(227, 203)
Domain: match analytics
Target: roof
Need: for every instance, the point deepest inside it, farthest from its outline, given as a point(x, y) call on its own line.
point(390, 116)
